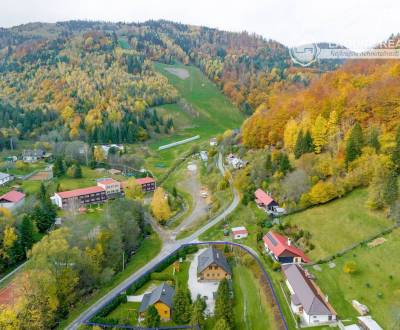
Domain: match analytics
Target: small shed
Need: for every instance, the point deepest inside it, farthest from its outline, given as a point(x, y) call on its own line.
point(239, 232)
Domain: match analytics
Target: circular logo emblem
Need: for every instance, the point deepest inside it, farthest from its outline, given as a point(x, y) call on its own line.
point(304, 55)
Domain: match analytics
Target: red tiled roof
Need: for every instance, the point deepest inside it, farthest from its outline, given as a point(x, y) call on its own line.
point(145, 180)
point(108, 181)
point(239, 230)
point(278, 244)
point(263, 197)
point(13, 196)
point(80, 192)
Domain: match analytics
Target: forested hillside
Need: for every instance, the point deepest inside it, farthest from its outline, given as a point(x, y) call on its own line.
point(96, 80)
point(320, 142)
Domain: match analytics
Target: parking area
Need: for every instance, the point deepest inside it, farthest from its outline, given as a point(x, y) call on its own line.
point(204, 289)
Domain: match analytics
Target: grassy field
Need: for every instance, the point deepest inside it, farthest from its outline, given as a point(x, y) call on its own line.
point(339, 224)
point(147, 251)
point(250, 309)
point(215, 112)
point(247, 216)
point(88, 179)
point(376, 282)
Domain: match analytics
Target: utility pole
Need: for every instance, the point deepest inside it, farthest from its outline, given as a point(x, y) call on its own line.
point(123, 260)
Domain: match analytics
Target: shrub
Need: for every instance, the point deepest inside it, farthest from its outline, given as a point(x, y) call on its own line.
point(350, 267)
point(276, 266)
point(161, 277)
point(111, 306)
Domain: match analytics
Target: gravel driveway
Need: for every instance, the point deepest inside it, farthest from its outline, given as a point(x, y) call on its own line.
point(204, 289)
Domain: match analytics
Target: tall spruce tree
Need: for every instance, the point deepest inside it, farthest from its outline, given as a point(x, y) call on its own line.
point(390, 189)
point(396, 152)
point(182, 305)
point(354, 143)
point(151, 318)
point(308, 145)
point(26, 233)
point(223, 303)
point(299, 146)
point(198, 308)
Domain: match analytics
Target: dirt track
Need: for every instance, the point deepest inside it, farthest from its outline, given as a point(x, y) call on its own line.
point(192, 185)
point(179, 72)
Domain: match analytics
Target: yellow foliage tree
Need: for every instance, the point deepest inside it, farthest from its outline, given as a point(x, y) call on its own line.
point(9, 319)
point(160, 206)
point(323, 192)
point(6, 213)
point(133, 190)
point(319, 134)
point(290, 135)
point(98, 154)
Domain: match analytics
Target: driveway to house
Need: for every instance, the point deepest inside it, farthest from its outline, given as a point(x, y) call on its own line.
point(200, 209)
point(169, 245)
point(204, 289)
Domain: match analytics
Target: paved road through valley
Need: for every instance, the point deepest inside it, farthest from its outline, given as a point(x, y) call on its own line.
point(168, 247)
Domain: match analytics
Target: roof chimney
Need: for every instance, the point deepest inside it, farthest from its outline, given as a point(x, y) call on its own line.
point(289, 242)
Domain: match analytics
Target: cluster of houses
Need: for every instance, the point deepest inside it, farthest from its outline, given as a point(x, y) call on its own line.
point(106, 189)
point(212, 267)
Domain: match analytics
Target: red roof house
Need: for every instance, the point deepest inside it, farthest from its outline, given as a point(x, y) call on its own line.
point(12, 199)
point(282, 249)
point(74, 199)
point(264, 200)
point(239, 232)
point(80, 192)
point(147, 183)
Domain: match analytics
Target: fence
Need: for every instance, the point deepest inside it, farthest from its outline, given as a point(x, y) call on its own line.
point(353, 246)
point(102, 325)
point(174, 254)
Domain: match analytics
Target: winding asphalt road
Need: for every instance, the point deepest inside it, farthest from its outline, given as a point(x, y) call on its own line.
point(169, 246)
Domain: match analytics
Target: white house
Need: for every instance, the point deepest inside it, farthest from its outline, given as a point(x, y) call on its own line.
point(213, 142)
point(204, 156)
point(4, 178)
point(12, 199)
point(106, 148)
point(306, 298)
point(239, 232)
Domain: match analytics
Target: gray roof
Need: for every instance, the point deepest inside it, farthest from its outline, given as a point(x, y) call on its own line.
point(305, 292)
point(4, 175)
point(212, 256)
point(163, 293)
point(33, 153)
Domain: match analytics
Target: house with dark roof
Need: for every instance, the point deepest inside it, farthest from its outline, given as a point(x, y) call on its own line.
point(161, 298)
point(32, 156)
point(12, 199)
point(282, 249)
point(306, 299)
point(213, 266)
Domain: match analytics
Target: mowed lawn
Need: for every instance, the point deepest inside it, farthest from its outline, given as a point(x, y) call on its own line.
point(339, 224)
point(216, 112)
point(251, 310)
point(375, 284)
